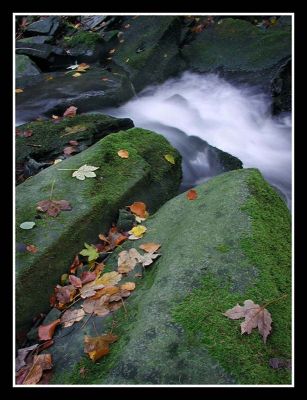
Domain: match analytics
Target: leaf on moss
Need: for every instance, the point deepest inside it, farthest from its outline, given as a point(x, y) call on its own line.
point(32, 249)
point(192, 194)
point(53, 207)
point(150, 247)
point(90, 252)
point(109, 278)
point(97, 347)
point(137, 231)
point(170, 158)
point(69, 150)
point(85, 171)
point(139, 208)
point(75, 129)
point(123, 153)
point(128, 286)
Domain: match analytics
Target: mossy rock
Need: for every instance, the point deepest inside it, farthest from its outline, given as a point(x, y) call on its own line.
point(49, 138)
point(25, 67)
point(150, 51)
point(144, 176)
point(230, 244)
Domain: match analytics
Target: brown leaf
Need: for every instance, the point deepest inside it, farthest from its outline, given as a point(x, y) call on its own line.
point(87, 276)
point(139, 208)
point(115, 305)
point(73, 142)
point(65, 294)
point(110, 290)
point(280, 363)
point(97, 307)
point(98, 346)
point(45, 332)
point(75, 281)
point(22, 355)
point(192, 194)
point(18, 90)
point(71, 316)
point(21, 374)
point(89, 289)
point(128, 286)
point(40, 363)
point(32, 249)
point(112, 51)
point(255, 316)
point(75, 264)
point(127, 260)
point(123, 153)
point(45, 345)
point(53, 207)
point(70, 112)
point(69, 150)
point(109, 278)
point(150, 247)
point(26, 133)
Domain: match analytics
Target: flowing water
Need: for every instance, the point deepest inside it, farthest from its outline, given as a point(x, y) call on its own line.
point(234, 118)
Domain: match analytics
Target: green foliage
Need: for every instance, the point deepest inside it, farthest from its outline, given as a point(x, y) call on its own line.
point(90, 252)
point(82, 38)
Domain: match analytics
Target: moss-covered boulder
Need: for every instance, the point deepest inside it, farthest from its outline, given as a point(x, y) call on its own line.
point(49, 138)
point(230, 244)
point(144, 176)
point(236, 46)
point(148, 49)
point(25, 67)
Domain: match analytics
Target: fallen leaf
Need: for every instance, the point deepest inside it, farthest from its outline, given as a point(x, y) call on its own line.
point(75, 264)
point(98, 307)
point(40, 363)
point(27, 133)
point(71, 316)
point(69, 150)
point(113, 239)
point(121, 41)
point(27, 225)
point(138, 231)
point(109, 278)
point(115, 305)
point(170, 158)
point(87, 276)
point(255, 316)
point(128, 286)
point(123, 153)
point(192, 194)
point(126, 261)
point(139, 220)
point(112, 51)
point(32, 249)
point(150, 247)
point(148, 258)
point(74, 66)
point(97, 347)
point(73, 142)
point(127, 26)
point(82, 68)
point(58, 160)
point(55, 117)
point(45, 345)
point(139, 208)
point(90, 252)
point(75, 281)
point(105, 79)
point(64, 294)
point(110, 290)
point(22, 355)
point(85, 171)
point(18, 90)
point(49, 78)
point(70, 112)
point(89, 289)
point(53, 207)
point(76, 75)
point(45, 332)
point(74, 129)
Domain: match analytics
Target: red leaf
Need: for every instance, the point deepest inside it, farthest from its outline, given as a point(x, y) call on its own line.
point(32, 249)
point(70, 112)
point(69, 150)
point(75, 281)
point(53, 207)
point(26, 133)
point(64, 294)
point(76, 263)
point(192, 194)
point(87, 276)
point(45, 332)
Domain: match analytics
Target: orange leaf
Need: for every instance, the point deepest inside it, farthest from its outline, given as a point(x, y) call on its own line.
point(45, 332)
point(123, 153)
point(76, 263)
point(150, 247)
point(138, 208)
point(32, 249)
point(192, 194)
point(107, 290)
point(128, 286)
point(97, 347)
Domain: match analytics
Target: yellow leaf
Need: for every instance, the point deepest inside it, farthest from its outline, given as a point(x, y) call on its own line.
point(170, 158)
point(128, 286)
point(123, 153)
point(109, 278)
point(138, 230)
point(18, 90)
point(77, 74)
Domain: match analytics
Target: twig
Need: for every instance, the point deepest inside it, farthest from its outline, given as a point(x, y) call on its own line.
point(95, 327)
point(87, 320)
point(74, 302)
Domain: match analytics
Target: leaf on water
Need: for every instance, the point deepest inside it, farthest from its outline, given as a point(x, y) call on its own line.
point(53, 207)
point(123, 153)
point(128, 286)
point(109, 278)
point(255, 316)
point(22, 355)
point(45, 332)
point(97, 347)
point(75, 281)
point(98, 307)
point(137, 231)
point(85, 171)
point(32, 249)
point(139, 208)
point(70, 112)
point(192, 194)
point(150, 247)
point(90, 252)
point(27, 225)
point(64, 294)
point(71, 316)
point(170, 158)
point(18, 90)
point(40, 363)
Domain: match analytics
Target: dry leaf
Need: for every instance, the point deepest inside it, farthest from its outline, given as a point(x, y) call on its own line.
point(192, 194)
point(89, 289)
point(114, 239)
point(53, 207)
point(45, 332)
point(76, 263)
point(70, 112)
point(65, 294)
point(126, 261)
point(255, 316)
point(98, 307)
point(98, 346)
point(128, 286)
point(76, 75)
point(32, 249)
point(18, 90)
point(87, 276)
point(85, 171)
point(150, 247)
point(138, 208)
point(75, 281)
point(40, 363)
point(69, 150)
point(123, 153)
point(110, 290)
point(22, 355)
point(71, 316)
point(73, 142)
point(109, 278)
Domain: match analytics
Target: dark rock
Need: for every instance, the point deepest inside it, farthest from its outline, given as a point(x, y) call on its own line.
point(43, 51)
point(90, 22)
point(125, 220)
point(25, 67)
point(281, 89)
point(45, 26)
point(36, 39)
point(52, 316)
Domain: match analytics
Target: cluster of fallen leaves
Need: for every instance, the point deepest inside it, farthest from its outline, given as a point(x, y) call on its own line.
point(78, 69)
point(100, 293)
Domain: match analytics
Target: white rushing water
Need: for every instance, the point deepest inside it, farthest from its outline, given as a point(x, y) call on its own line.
point(236, 119)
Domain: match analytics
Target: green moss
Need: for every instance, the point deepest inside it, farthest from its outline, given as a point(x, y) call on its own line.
point(82, 38)
point(269, 250)
point(223, 248)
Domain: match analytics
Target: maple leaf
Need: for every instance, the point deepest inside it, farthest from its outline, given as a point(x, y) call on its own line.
point(150, 247)
point(98, 307)
point(22, 355)
point(255, 316)
point(109, 278)
point(85, 171)
point(90, 252)
point(75, 281)
point(71, 316)
point(128, 286)
point(40, 363)
point(32, 249)
point(170, 158)
point(139, 208)
point(123, 153)
point(45, 332)
point(97, 347)
point(53, 207)
point(137, 231)
point(192, 194)
point(65, 294)
point(70, 112)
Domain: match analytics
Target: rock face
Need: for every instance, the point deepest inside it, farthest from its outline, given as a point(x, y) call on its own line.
point(95, 202)
point(49, 138)
point(45, 26)
point(230, 244)
point(25, 67)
